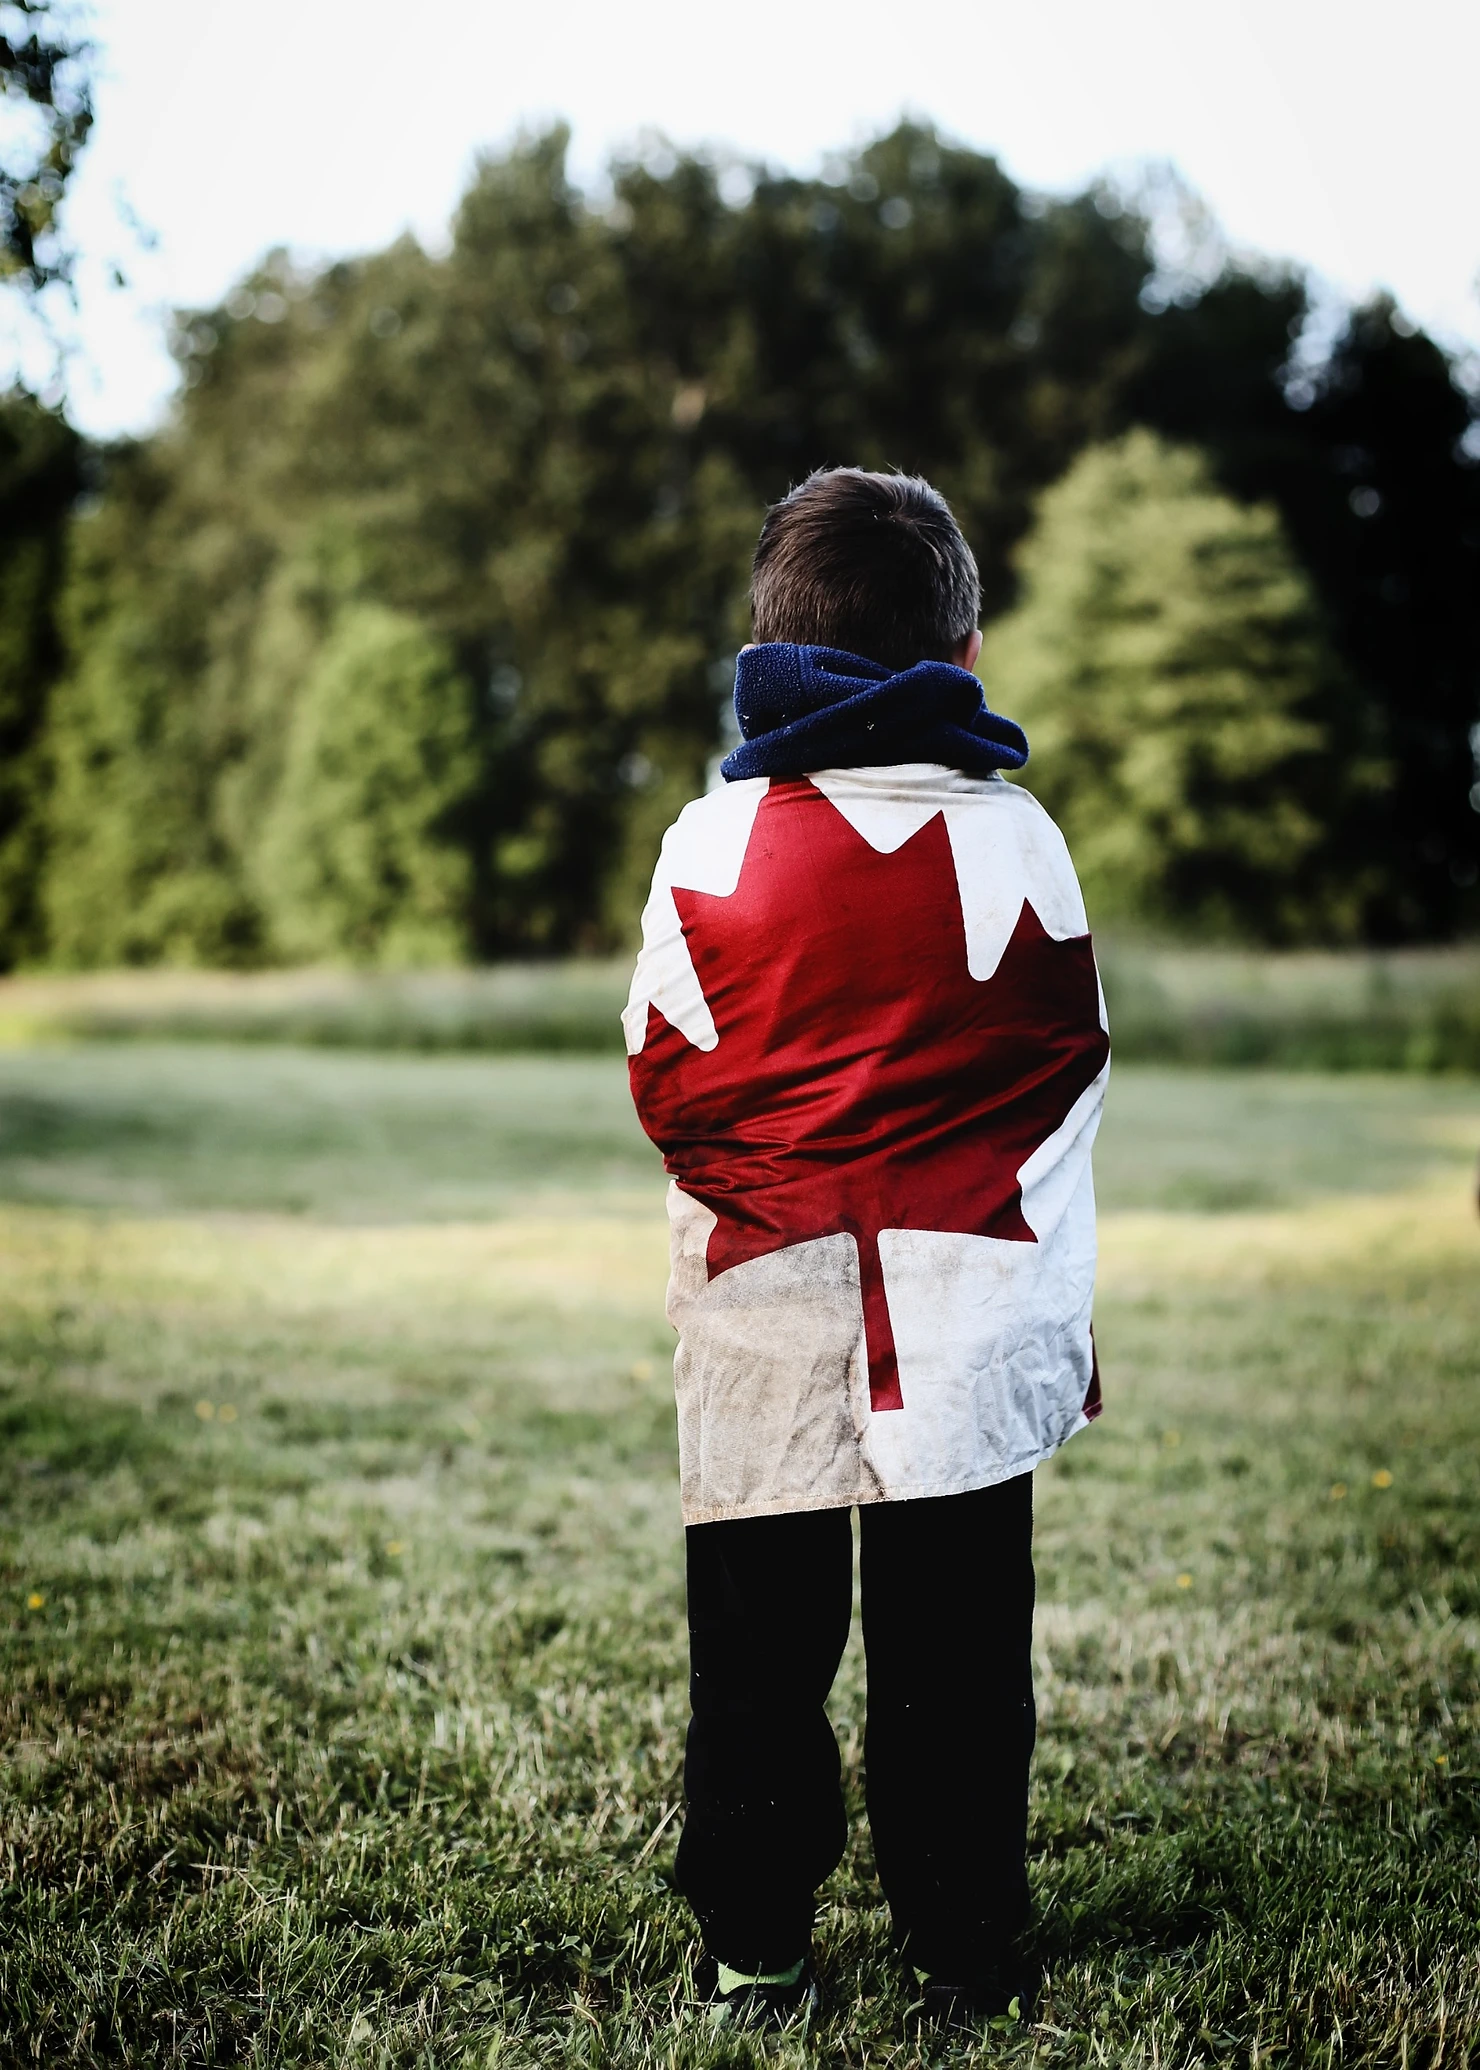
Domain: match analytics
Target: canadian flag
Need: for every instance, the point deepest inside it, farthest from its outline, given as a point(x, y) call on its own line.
point(867, 1034)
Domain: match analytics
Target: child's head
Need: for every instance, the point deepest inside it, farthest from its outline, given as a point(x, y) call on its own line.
point(872, 563)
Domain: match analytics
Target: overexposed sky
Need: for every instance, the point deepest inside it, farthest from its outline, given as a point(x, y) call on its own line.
point(1342, 136)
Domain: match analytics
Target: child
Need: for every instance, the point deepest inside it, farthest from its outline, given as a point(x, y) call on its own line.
point(866, 1033)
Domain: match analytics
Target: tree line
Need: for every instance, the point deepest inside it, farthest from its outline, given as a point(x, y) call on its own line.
point(409, 632)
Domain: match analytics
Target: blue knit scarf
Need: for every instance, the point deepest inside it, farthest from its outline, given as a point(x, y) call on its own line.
point(804, 708)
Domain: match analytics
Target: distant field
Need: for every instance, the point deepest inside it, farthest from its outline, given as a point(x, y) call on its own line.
point(1411, 1010)
point(1404, 1010)
point(341, 1661)
point(530, 1006)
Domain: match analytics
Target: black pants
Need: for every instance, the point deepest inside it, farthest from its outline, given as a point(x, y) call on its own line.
point(947, 1628)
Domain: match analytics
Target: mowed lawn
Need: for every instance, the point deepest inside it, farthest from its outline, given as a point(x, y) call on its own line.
point(341, 1617)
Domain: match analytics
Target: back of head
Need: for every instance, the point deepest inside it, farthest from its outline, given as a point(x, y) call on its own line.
point(874, 564)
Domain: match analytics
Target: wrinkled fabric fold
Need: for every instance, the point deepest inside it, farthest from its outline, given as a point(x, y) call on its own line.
point(805, 708)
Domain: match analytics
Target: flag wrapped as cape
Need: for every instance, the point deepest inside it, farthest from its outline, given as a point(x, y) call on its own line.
point(867, 1034)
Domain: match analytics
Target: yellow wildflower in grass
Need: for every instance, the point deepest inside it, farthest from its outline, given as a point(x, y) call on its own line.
point(395, 1546)
point(1184, 1581)
point(1382, 1478)
point(35, 1600)
point(205, 1411)
point(1338, 1490)
point(1441, 1760)
point(227, 1412)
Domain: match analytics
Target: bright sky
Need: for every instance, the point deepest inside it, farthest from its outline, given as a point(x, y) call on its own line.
point(1339, 133)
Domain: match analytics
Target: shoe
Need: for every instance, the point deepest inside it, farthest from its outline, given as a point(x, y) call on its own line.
point(777, 1999)
point(969, 2007)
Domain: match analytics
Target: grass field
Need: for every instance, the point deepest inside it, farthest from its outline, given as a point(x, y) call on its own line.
point(341, 1662)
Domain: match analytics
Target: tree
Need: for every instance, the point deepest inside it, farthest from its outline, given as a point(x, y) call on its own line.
point(140, 729)
point(45, 116)
point(550, 450)
point(41, 463)
point(1370, 458)
point(46, 112)
point(1190, 726)
point(912, 309)
point(359, 860)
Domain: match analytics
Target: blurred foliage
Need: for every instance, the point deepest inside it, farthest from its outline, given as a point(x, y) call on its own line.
point(546, 454)
point(41, 473)
point(355, 858)
point(45, 115)
point(1193, 732)
point(1372, 457)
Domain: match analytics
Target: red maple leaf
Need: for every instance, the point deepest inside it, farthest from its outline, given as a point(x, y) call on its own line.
point(863, 1079)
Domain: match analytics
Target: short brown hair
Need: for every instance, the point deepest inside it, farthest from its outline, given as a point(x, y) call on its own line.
point(874, 564)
